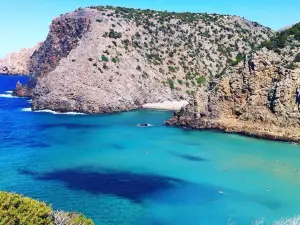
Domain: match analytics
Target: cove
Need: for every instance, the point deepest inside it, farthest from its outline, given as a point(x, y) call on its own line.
point(117, 173)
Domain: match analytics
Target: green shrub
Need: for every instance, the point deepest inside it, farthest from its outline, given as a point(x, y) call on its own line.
point(297, 58)
point(16, 209)
point(172, 69)
point(114, 34)
point(115, 59)
point(104, 58)
point(80, 220)
point(291, 66)
point(239, 57)
point(179, 82)
point(171, 83)
point(232, 62)
point(201, 80)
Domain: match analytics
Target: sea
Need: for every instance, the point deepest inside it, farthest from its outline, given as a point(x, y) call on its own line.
point(117, 173)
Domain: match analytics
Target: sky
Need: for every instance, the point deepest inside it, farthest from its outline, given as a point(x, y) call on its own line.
point(24, 23)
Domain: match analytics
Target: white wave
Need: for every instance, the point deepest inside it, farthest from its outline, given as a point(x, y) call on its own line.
point(52, 112)
point(285, 221)
point(7, 96)
point(29, 101)
point(8, 92)
point(27, 110)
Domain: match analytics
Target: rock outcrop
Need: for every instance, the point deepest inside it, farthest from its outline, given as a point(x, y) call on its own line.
point(19, 62)
point(21, 90)
point(105, 59)
point(262, 104)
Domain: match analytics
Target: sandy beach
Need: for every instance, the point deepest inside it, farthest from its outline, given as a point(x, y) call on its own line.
point(166, 105)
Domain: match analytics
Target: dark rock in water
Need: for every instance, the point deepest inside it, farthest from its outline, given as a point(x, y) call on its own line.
point(21, 91)
point(144, 125)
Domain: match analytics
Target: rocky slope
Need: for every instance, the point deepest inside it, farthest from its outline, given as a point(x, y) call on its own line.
point(105, 59)
point(19, 62)
point(265, 104)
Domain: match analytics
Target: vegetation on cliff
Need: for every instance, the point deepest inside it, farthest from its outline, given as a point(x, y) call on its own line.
point(18, 210)
point(264, 102)
point(284, 38)
point(130, 57)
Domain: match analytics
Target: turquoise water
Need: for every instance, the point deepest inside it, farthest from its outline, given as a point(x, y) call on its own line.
point(118, 173)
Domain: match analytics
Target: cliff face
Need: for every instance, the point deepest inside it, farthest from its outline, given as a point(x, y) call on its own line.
point(104, 59)
point(265, 103)
point(19, 62)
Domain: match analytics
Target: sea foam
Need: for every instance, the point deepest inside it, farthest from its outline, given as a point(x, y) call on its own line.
point(51, 111)
point(27, 110)
point(7, 96)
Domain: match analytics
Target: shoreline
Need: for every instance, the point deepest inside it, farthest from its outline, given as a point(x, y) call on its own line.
point(238, 128)
point(229, 126)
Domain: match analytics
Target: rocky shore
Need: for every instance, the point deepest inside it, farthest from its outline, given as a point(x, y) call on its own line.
point(242, 128)
point(264, 104)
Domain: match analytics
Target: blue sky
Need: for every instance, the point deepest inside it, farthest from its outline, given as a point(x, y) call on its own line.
point(23, 23)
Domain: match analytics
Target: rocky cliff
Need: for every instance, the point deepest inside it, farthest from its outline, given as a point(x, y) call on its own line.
point(264, 104)
point(105, 59)
point(19, 62)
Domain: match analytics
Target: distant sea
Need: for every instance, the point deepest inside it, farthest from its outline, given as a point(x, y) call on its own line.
point(117, 173)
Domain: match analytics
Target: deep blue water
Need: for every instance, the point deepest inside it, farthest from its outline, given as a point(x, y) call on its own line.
point(117, 173)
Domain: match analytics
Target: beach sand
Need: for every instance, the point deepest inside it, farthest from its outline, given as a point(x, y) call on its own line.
point(167, 105)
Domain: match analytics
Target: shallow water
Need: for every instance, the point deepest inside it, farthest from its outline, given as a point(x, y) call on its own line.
point(118, 173)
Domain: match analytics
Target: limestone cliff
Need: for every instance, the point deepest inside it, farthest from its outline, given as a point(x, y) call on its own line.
point(18, 62)
point(105, 59)
point(264, 104)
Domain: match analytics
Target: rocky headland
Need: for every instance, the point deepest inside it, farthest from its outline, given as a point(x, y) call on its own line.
point(263, 104)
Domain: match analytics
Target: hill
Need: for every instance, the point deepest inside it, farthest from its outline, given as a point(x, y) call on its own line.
point(17, 62)
point(106, 59)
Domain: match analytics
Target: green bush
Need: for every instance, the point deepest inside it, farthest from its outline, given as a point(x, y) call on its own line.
point(80, 220)
point(172, 69)
point(171, 83)
point(16, 209)
point(239, 57)
point(115, 59)
point(297, 58)
point(104, 58)
point(291, 66)
point(179, 82)
point(114, 34)
point(201, 80)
